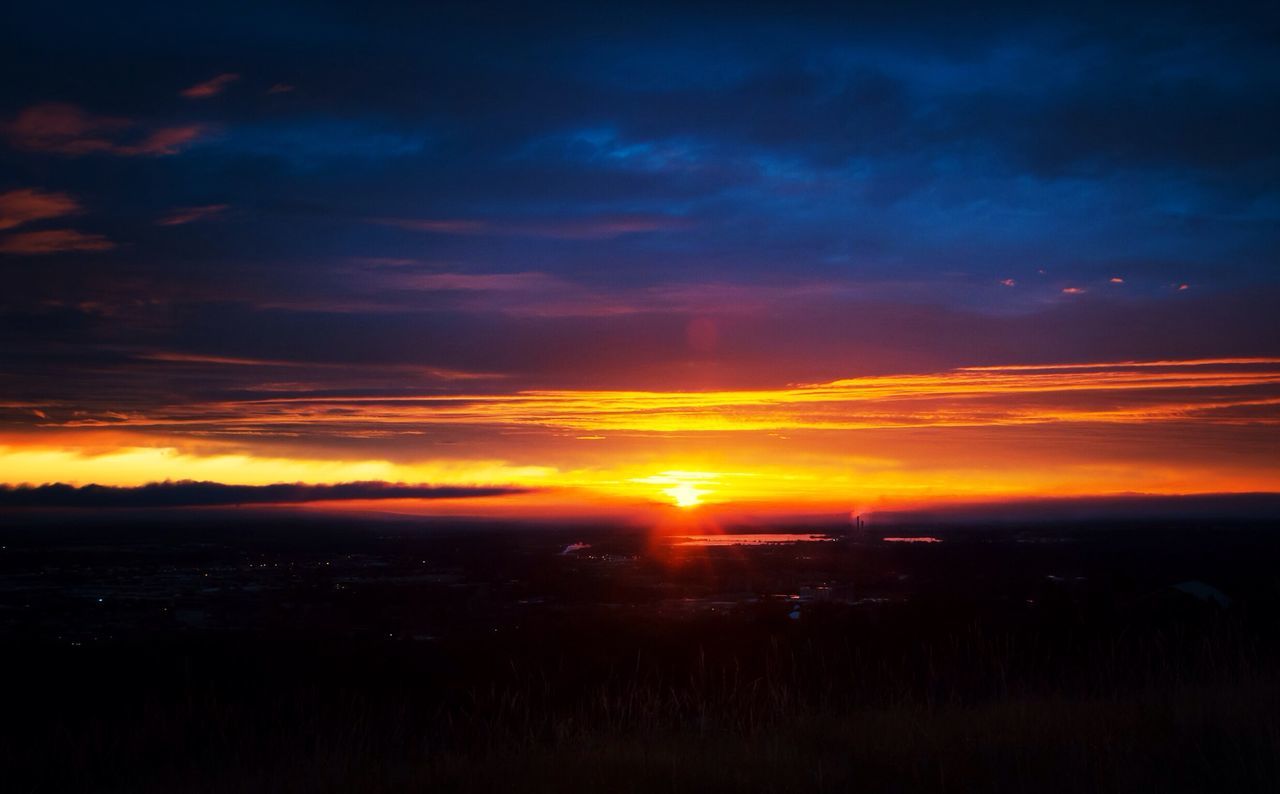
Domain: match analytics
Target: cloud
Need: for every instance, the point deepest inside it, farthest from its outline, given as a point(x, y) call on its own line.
point(394, 370)
point(61, 128)
point(598, 227)
point(540, 294)
point(1229, 391)
point(26, 205)
point(64, 129)
point(166, 140)
point(185, 215)
point(53, 241)
point(211, 494)
point(480, 282)
point(211, 87)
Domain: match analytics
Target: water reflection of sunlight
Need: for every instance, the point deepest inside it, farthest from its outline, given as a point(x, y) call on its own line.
point(753, 539)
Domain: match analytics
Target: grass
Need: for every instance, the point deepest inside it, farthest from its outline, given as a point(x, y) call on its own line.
point(922, 702)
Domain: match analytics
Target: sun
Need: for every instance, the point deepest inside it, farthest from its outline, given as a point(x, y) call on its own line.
point(685, 488)
point(685, 494)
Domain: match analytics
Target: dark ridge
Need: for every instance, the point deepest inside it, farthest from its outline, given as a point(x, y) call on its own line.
point(1129, 507)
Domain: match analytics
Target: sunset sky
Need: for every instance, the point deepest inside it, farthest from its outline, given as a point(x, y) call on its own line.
point(587, 258)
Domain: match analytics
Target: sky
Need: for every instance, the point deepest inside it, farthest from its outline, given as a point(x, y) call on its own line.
point(568, 257)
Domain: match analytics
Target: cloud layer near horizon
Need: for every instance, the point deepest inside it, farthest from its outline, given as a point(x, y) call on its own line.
point(1208, 391)
point(212, 494)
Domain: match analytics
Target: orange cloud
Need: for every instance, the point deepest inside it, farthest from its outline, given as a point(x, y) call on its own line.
point(26, 205)
point(60, 128)
point(1210, 391)
point(53, 241)
point(1079, 428)
point(1096, 441)
point(166, 140)
point(184, 215)
point(211, 87)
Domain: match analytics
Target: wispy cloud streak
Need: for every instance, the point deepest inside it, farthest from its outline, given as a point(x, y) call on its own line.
point(26, 205)
point(1208, 391)
point(595, 227)
point(211, 87)
point(60, 128)
point(53, 241)
point(185, 215)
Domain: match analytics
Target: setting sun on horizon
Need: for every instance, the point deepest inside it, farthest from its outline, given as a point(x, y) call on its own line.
point(685, 495)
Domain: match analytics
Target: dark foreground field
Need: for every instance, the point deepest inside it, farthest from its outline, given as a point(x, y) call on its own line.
point(204, 654)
